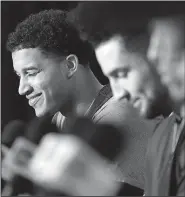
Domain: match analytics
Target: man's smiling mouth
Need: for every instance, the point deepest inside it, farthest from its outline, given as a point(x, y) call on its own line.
point(34, 100)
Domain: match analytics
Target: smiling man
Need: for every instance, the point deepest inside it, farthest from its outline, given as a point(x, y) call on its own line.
point(133, 76)
point(52, 64)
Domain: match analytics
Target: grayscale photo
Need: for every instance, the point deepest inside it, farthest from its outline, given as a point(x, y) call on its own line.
point(92, 98)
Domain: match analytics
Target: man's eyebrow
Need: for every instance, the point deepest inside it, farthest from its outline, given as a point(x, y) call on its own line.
point(30, 68)
point(27, 69)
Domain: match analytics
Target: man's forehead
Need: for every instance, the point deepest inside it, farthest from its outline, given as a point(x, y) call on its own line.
point(115, 43)
point(29, 53)
point(108, 53)
point(25, 59)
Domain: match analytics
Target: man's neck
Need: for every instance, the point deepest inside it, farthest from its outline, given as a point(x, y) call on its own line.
point(89, 89)
point(86, 89)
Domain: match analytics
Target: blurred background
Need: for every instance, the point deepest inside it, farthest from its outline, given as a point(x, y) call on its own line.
point(13, 106)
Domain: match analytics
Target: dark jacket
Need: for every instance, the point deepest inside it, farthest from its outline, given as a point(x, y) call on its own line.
point(160, 156)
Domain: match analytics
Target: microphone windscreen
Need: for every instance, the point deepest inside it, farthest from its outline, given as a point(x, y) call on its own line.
point(11, 131)
point(38, 127)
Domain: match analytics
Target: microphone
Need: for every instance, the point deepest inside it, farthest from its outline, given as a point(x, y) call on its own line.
point(11, 131)
point(77, 163)
point(38, 127)
point(16, 161)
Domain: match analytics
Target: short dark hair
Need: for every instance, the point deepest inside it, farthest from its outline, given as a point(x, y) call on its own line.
point(99, 21)
point(50, 31)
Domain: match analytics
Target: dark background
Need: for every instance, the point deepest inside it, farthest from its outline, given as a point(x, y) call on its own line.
point(14, 106)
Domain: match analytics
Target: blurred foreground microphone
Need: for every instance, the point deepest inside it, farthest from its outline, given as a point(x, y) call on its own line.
point(78, 163)
point(10, 132)
point(14, 165)
point(38, 127)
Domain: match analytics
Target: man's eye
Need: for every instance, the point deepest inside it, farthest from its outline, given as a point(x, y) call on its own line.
point(33, 73)
point(121, 74)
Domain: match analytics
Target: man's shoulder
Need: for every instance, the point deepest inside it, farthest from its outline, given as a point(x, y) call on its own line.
point(122, 113)
point(115, 110)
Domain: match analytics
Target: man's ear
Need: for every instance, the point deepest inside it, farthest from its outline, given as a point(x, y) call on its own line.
point(72, 65)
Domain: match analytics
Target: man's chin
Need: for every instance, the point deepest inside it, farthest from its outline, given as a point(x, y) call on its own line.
point(41, 113)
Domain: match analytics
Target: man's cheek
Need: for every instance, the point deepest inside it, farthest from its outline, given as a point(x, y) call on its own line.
point(36, 84)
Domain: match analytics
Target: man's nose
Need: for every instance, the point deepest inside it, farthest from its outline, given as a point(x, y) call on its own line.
point(24, 87)
point(119, 92)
